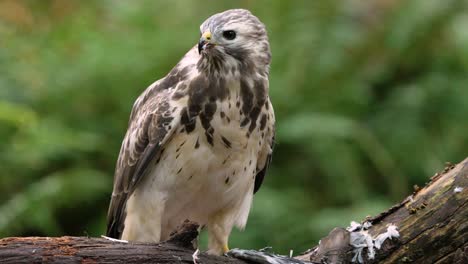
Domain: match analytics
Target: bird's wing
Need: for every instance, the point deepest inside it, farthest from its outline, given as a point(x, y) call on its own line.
point(151, 125)
point(265, 154)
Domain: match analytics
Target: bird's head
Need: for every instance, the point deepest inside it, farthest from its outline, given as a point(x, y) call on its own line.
point(234, 38)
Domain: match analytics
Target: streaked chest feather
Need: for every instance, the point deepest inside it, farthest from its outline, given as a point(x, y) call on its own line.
point(223, 133)
point(212, 158)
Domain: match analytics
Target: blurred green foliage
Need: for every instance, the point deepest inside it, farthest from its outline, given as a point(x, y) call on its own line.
point(371, 97)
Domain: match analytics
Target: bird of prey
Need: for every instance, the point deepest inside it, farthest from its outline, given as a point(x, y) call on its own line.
point(199, 140)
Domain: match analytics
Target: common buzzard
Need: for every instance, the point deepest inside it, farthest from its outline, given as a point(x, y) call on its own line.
point(199, 140)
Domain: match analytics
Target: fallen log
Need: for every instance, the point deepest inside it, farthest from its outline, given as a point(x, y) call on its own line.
point(432, 224)
point(429, 226)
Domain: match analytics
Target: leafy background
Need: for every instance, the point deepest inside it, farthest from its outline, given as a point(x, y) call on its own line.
point(371, 97)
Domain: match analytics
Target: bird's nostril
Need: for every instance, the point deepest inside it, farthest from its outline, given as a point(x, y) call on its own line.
point(206, 35)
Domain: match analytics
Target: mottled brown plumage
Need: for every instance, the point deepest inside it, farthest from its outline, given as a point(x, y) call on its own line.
point(199, 140)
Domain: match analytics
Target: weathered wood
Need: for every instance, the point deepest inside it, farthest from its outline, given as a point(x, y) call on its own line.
point(178, 249)
point(96, 250)
point(432, 223)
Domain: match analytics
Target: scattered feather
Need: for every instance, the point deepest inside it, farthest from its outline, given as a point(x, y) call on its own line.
point(262, 257)
point(392, 232)
point(360, 239)
point(195, 256)
point(366, 225)
point(266, 249)
point(353, 226)
point(114, 239)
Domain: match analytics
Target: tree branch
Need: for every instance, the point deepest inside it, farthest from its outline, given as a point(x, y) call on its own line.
point(432, 226)
point(432, 223)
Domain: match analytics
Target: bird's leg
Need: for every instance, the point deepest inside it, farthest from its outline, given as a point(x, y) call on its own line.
point(218, 234)
point(217, 240)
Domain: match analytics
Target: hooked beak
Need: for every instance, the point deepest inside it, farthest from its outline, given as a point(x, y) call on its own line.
point(204, 42)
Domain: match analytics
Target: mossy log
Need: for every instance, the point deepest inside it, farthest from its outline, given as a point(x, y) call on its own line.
point(432, 225)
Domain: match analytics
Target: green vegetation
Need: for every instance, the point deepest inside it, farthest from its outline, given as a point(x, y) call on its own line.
point(371, 97)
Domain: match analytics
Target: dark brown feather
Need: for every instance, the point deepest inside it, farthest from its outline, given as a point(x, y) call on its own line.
point(262, 171)
point(153, 122)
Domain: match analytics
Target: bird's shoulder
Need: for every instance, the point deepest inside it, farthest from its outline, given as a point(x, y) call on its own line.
point(154, 115)
point(151, 124)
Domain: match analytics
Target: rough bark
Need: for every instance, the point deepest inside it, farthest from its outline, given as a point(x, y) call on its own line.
point(179, 249)
point(432, 224)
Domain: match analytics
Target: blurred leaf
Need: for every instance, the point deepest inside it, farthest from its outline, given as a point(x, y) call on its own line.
point(365, 93)
point(36, 206)
point(17, 115)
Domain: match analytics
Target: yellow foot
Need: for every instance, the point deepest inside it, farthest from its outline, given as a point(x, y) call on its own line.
point(225, 248)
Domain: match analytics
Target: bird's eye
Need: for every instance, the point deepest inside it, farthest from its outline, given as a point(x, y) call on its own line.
point(229, 34)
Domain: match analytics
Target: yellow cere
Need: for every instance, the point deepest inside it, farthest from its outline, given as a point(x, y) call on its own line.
point(207, 35)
